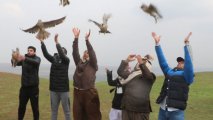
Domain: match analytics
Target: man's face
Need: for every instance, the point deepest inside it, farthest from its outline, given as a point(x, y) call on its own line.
point(180, 65)
point(30, 52)
point(85, 55)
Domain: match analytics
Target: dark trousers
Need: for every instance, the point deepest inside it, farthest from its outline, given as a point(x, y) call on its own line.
point(25, 94)
point(130, 115)
point(86, 105)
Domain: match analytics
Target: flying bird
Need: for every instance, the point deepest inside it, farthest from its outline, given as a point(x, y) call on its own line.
point(41, 26)
point(103, 27)
point(64, 2)
point(152, 11)
point(15, 55)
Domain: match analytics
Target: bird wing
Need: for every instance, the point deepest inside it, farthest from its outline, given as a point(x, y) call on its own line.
point(53, 22)
point(152, 8)
point(33, 29)
point(96, 23)
point(105, 18)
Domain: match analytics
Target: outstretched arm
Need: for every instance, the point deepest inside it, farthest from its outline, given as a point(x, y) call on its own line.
point(188, 65)
point(60, 51)
point(123, 69)
point(75, 53)
point(146, 73)
point(91, 52)
point(49, 57)
point(110, 81)
point(161, 58)
point(34, 61)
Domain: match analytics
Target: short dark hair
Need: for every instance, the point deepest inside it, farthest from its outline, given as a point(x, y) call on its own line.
point(180, 59)
point(32, 47)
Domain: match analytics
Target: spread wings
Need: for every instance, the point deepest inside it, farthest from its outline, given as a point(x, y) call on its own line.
point(152, 8)
point(96, 23)
point(105, 18)
point(48, 24)
point(53, 22)
point(33, 29)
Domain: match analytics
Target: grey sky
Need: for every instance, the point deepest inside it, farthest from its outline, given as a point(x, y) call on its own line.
point(131, 28)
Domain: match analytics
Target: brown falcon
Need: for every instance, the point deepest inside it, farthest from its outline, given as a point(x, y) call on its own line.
point(64, 2)
point(15, 55)
point(41, 26)
point(103, 27)
point(152, 11)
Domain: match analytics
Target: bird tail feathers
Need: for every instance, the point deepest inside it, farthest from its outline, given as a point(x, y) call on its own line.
point(43, 35)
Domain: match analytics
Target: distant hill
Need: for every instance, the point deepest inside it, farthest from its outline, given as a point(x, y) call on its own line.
point(101, 75)
point(45, 69)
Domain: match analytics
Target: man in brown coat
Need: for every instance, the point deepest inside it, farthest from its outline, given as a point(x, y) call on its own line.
point(86, 104)
point(136, 100)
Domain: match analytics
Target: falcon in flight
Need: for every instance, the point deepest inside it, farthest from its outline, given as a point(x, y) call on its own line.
point(152, 11)
point(41, 26)
point(103, 27)
point(64, 2)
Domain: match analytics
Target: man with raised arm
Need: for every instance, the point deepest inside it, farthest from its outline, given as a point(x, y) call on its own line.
point(59, 79)
point(174, 92)
point(86, 104)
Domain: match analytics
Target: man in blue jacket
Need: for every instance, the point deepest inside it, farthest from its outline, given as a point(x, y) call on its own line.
point(174, 92)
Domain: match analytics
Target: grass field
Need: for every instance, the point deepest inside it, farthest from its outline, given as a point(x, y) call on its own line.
point(200, 103)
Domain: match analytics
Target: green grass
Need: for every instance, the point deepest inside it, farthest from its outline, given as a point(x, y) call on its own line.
point(200, 103)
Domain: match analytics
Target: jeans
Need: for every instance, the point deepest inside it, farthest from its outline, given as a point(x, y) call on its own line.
point(170, 115)
point(56, 97)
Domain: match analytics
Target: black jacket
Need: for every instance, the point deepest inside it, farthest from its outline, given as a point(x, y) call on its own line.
point(59, 80)
point(176, 89)
point(30, 69)
point(116, 102)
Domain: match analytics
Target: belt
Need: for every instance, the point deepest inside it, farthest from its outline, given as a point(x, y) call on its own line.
point(79, 88)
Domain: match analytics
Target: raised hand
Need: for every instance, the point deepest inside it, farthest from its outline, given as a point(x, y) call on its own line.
point(56, 38)
point(76, 32)
point(41, 40)
point(87, 35)
point(187, 38)
point(140, 59)
point(131, 58)
point(156, 37)
point(20, 58)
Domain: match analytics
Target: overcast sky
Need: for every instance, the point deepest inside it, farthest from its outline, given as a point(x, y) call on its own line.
point(131, 28)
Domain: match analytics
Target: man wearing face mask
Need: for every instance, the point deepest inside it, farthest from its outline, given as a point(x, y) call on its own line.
point(86, 104)
point(138, 83)
point(174, 92)
point(59, 80)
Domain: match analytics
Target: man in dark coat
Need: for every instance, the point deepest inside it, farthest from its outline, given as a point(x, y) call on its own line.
point(136, 98)
point(29, 83)
point(59, 80)
point(86, 104)
point(116, 110)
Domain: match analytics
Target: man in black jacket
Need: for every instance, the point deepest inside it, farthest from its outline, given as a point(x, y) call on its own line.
point(29, 82)
point(59, 80)
point(116, 111)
